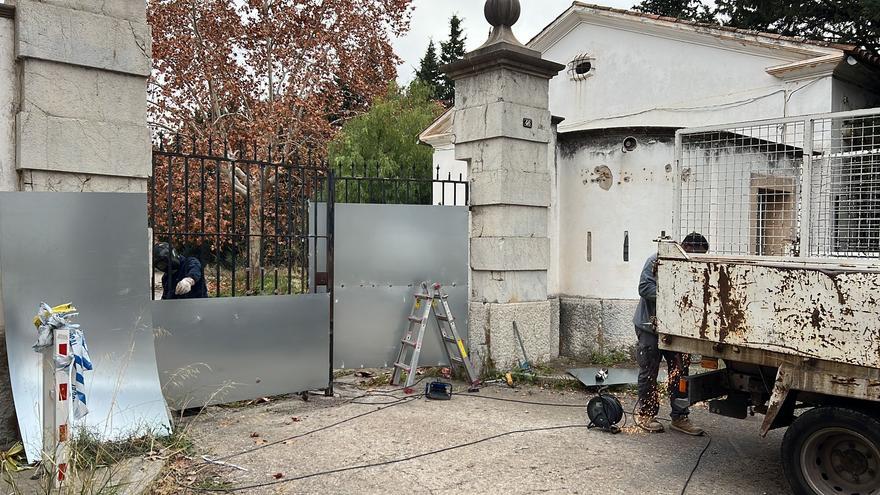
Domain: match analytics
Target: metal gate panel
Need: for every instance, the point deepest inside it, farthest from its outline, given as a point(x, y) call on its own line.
point(213, 351)
point(91, 249)
point(382, 254)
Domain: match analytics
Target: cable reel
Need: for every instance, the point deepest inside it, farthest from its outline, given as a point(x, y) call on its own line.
point(605, 411)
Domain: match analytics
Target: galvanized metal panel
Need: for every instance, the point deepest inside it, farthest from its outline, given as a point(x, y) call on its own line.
point(382, 254)
point(91, 249)
point(616, 376)
point(399, 244)
point(370, 322)
point(825, 311)
point(213, 351)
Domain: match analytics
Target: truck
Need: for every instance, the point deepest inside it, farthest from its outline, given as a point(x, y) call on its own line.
point(783, 309)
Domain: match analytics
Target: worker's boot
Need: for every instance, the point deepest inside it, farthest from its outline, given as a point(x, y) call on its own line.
point(649, 424)
point(684, 425)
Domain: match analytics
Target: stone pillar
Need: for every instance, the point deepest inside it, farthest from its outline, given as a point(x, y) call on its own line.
point(502, 128)
point(82, 118)
point(73, 109)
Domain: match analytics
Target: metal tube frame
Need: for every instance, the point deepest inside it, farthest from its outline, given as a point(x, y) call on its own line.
point(836, 190)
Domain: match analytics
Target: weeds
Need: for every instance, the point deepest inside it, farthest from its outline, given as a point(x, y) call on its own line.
point(379, 380)
point(612, 358)
point(87, 452)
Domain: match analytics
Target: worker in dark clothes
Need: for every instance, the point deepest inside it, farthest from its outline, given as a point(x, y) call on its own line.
point(182, 277)
point(649, 354)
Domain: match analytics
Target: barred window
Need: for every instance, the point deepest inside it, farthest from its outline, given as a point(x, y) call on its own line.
point(581, 67)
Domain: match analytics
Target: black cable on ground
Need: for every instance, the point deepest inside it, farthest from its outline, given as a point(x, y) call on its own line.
point(697, 465)
point(382, 463)
point(552, 404)
point(353, 400)
point(402, 400)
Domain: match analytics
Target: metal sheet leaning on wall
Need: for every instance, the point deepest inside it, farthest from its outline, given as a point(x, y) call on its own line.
point(213, 351)
point(91, 249)
point(382, 254)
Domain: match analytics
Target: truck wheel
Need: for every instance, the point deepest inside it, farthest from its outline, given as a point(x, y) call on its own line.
point(832, 450)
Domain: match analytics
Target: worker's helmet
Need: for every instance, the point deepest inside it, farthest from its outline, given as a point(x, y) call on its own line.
point(695, 243)
point(164, 256)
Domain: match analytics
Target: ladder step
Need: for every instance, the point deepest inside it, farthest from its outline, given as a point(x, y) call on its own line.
point(457, 360)
point(408, 342)
point(402, 366)
point(415, 319)
point(444, 318)
point(450, 340)
point(423, 296)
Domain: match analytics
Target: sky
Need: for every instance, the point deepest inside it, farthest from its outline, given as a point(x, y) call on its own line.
point(430, 19)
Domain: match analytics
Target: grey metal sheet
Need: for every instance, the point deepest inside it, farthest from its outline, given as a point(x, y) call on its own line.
point(616, 376)
point(382, 253)
point(213, 351)
point(400, 244)
point(91, 249)
point(370, 321)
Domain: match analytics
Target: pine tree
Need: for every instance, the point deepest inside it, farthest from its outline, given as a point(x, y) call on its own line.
point(451, 51)
point(694, 10)
point(429, 71)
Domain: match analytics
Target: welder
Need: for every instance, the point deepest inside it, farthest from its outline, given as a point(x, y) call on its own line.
point(183, 277)
point(649, 354)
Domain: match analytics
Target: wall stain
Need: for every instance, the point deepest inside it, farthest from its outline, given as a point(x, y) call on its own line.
point(707, 299)
point(816, 320)
point(730, 314)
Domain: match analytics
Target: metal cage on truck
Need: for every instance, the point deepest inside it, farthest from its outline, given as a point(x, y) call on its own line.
point(787, 296)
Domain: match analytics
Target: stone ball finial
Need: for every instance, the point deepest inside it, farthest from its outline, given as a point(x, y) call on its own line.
point(502, 12)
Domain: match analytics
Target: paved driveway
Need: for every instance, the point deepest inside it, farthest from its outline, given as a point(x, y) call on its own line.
point(569, 460)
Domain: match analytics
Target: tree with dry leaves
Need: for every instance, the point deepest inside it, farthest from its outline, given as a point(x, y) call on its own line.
point(277, 74)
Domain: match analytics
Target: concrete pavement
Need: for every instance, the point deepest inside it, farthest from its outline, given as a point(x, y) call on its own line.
point(572, 460)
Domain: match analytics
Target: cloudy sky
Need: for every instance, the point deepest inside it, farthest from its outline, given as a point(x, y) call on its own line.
point(431, 20)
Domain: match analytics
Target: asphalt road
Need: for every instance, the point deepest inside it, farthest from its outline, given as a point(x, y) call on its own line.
point(569, 460)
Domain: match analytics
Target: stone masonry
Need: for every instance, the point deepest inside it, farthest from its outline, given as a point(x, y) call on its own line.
point(502, 128)
point(73, 108)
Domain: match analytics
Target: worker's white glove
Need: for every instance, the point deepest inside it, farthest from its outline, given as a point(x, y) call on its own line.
point(184, 286)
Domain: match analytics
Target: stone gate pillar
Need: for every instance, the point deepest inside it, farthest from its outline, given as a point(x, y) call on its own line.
point(502, 129)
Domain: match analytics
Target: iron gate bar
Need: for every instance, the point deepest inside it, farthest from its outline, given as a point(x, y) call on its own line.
point(279, 238)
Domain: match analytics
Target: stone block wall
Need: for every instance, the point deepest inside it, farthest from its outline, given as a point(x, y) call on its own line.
point(73, 109)
point(8, 99)
point(81, 123)
point(592, 325)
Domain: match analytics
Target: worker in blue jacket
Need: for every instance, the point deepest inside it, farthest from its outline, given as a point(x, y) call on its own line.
point(182, 277)
point(649, 355)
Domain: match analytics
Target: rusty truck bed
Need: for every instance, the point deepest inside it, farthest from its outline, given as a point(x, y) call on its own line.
point(818, 310)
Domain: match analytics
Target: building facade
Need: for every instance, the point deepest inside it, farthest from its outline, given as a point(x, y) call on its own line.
point(632, 80)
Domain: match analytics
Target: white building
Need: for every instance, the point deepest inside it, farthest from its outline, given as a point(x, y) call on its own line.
point(644, 76)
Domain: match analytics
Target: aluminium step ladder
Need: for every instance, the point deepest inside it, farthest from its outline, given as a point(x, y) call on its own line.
point(425, 303)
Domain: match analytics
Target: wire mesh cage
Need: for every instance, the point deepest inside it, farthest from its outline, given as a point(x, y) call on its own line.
point(789, 187)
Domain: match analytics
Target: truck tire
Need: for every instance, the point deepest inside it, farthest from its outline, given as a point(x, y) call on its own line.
point(831, 451)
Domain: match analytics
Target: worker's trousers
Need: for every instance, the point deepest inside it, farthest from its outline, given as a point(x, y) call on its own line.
point(648, 355)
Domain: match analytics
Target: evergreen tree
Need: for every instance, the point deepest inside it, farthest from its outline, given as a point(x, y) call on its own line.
point(844, 21)
point(384, 142)
point(429, 72)
point(452, 50)
point(854, 22)
point(694, 10)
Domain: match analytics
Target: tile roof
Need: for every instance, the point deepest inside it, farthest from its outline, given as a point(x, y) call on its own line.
point(854, 50)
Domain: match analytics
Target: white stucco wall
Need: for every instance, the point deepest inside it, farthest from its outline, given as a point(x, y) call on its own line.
point(444, 157)
point(638, 201)
point(8, 89)
point(848, 96)
point(641, 79)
